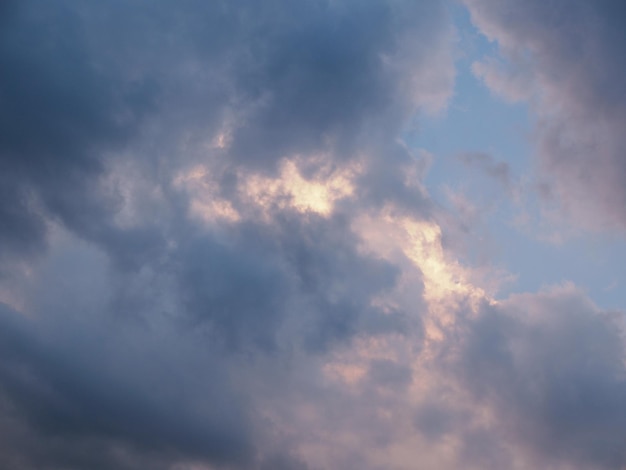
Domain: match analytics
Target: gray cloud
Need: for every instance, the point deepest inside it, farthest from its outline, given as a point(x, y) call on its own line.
point(85, 398)
point(551, 367)
point(243, 290)
point(278, 80)
point(60, 112)
point(139, 327)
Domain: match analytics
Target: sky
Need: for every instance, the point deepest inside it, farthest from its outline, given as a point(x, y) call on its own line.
point(312, 235)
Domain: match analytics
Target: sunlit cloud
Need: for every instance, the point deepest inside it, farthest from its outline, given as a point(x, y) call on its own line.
point(291, 190)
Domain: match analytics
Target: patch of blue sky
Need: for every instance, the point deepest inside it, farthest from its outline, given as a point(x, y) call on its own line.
point(591, 261)
point(477, 121)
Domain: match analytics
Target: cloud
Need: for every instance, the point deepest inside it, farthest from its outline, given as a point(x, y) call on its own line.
point(563, 58)
point(247, 288)
point(218, 253)
point(84, 398)
point(180, 244)
point(550, 367)
point(265, 82)
point(60, 114)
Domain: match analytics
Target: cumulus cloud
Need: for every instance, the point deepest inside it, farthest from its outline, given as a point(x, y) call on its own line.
point(232, 84)
point(217, 253)
point(179, 190)
point(550, 367)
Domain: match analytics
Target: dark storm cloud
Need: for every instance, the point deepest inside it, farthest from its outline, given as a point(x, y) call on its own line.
point(308, 268)
point(58, 113)
point(84, 388)
point(551, 367)
point(102, 105)
point(435, 420)
point(321, 79)
point(567, 58)
point(91, 386)
point(84, 84)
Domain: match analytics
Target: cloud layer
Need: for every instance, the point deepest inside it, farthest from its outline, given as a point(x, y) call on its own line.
point(218, 253)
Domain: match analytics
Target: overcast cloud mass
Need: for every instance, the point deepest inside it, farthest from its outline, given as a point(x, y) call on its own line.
point(220, 250)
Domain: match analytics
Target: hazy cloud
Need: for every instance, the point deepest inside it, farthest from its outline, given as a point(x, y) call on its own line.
point(550, 365)
point(566, 59)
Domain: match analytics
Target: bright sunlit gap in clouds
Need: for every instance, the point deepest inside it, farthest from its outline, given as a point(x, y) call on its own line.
point(317, 235)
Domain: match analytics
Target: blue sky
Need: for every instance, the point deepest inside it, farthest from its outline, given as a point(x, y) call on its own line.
point(478, 120)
